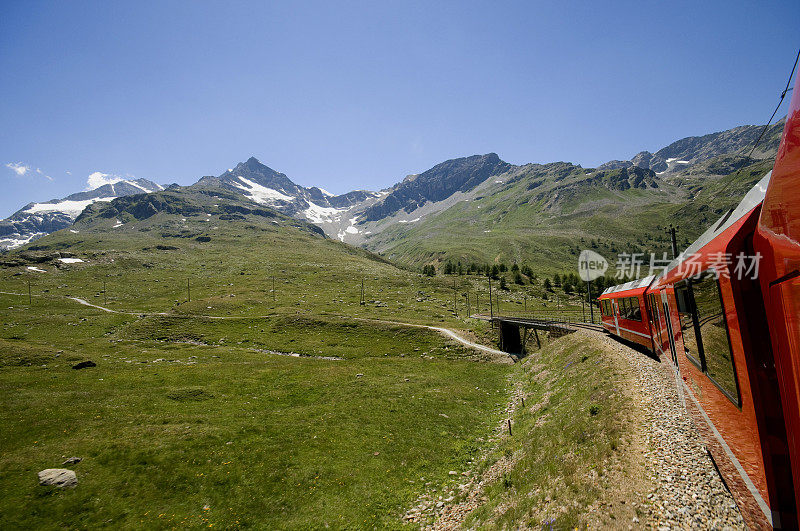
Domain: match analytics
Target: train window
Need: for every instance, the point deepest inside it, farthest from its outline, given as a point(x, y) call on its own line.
point(623, 308)
point(714, 339)
point(636, 309)
point(686, 316)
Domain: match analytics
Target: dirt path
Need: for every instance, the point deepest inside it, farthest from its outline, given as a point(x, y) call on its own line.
point(497, 355)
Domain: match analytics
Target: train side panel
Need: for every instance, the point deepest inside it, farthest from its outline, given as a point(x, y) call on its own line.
point(777, 239)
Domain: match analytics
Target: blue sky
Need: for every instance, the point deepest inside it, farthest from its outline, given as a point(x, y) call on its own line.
point(348, 95)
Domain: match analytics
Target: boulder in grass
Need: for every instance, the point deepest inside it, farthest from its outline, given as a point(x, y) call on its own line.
point(58, 477)
point(84, 364)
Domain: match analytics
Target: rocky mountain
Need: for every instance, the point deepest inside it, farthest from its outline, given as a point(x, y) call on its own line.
point(471, 208)
point(437, 184)
point(178, 207)
point(543, 211)
point(35, 220)
point(265, 186)
point(691, 150)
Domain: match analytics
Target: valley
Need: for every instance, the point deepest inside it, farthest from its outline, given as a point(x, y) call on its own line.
point(268, 355)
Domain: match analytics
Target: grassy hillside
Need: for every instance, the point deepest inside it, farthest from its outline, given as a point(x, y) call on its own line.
point(233, 409)
point(545, 215)
point(541, 215)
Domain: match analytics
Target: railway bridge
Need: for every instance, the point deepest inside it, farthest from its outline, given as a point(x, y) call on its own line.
point(515, 332)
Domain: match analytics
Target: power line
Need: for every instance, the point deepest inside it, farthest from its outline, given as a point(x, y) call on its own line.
point(783, 96)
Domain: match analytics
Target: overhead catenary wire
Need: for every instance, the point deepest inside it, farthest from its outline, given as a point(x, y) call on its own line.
point(780, 101)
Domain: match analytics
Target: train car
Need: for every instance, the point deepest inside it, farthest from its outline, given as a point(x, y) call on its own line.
point(625, 314)
point(777, 239)
point(726, 314)
point(714, 329)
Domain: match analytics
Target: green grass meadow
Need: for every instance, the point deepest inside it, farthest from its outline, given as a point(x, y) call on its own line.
point(193, 418)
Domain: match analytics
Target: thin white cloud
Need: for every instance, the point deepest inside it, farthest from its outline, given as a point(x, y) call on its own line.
point(40, 172)
point(22, 169)
point(98, 179)
point(18, 168)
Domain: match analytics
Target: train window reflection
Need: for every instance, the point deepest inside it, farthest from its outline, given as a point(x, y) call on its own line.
point(685, 312)
point(714, 335)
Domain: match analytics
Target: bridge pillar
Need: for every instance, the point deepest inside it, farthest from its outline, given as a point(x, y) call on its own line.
point(510, 340)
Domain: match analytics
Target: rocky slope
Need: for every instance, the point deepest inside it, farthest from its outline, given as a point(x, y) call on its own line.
point(691, 150)
point(35, 220)
point(263, 185)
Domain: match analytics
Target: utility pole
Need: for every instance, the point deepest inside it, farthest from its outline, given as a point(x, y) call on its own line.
point(491, 311)
point(674, 240)
point(589, 294)
point(363, 302)
point(455, 292)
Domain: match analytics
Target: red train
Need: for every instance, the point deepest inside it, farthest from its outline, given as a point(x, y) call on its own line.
point(726, 315)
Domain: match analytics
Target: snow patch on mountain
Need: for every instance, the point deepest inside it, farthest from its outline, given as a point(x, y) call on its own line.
point(261, 194)
point(10, 243)
point(70, 208)
point(350, 229)
point(319, 214)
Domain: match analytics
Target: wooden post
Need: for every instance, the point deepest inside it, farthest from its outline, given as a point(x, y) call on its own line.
point(491, 311)
point(363, 302)
point(509, 428)
point(583, 309)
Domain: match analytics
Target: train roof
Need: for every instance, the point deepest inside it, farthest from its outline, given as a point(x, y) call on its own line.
point(751, 199)
point(633, 284)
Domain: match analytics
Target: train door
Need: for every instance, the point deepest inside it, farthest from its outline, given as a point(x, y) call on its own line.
point(652, 311)
point(670, 335)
